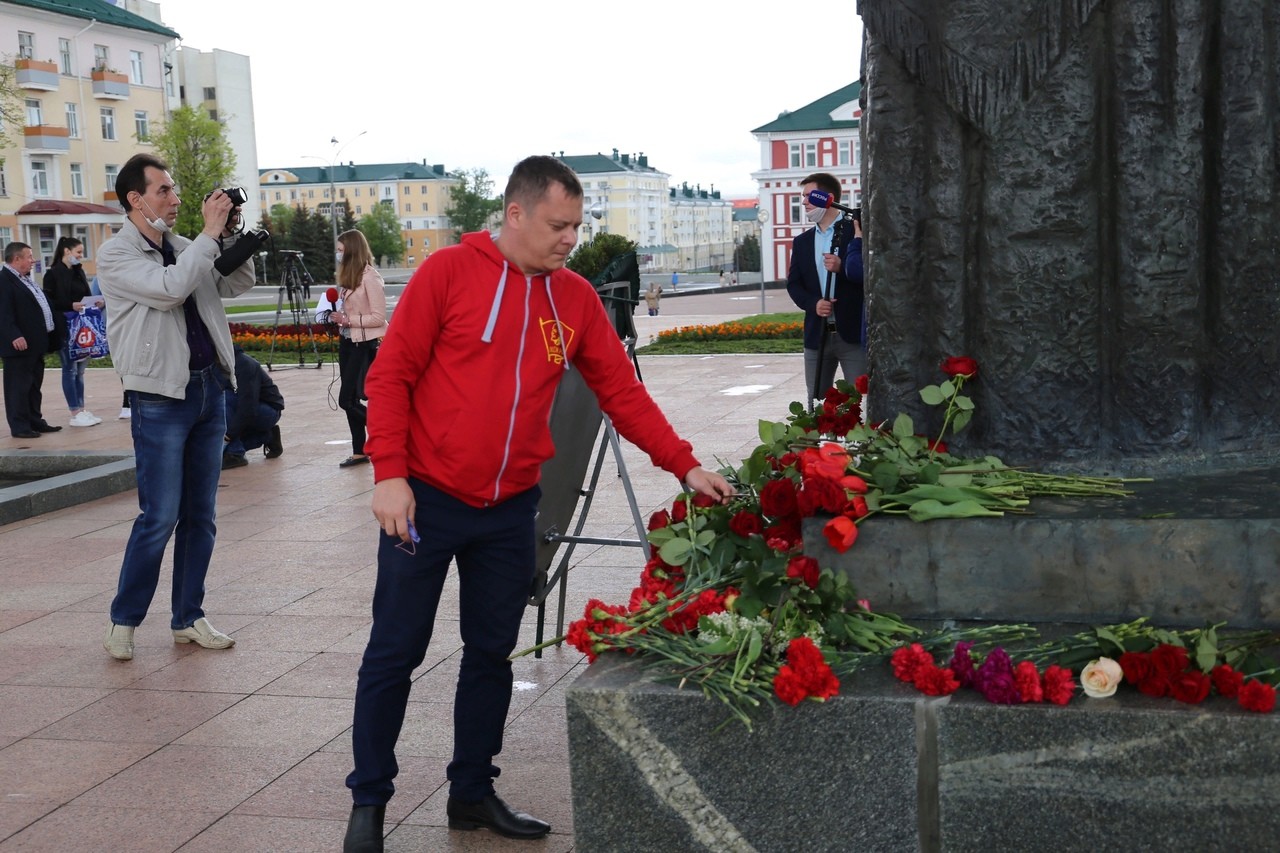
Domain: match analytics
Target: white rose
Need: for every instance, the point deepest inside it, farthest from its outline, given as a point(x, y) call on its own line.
point(1101, 678)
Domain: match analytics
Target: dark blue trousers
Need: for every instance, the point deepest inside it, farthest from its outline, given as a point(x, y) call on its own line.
point(494, 547)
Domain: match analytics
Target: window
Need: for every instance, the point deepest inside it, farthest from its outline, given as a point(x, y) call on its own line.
point(311, 193)
point(423, 189)
point(386, 192)
point(39, 178)
point(112, 171)
point(357, 192)
point(359, 209)
point(64, 55)
point(794, 161)
point(407, 190)
point(26, 45)
point(77, 180)
point(6, 235)
point(108, 115)
point(424, 207)
point(4, 191)
point(135, 67)
point(73, 121)
point(213, 114)
point(293, 195)
point(210, 93)
point(277, 196)
point(843, 158)
point(408, 207)
point(35, 115)
point(141, 126)
point(810, 155)
point(797, 209)
point(410, 242)
point(101, 57)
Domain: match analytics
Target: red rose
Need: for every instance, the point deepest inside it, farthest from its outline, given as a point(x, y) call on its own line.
point(1058, 685)
point(745, 523)
point(805, 568)
point(1169, 660)
point(841, 533)
point(1227, 681)
point(937, 446)
point(835, 398)
point(703, 501)
point(1136, 666)
point(861, 384)
point(659, 519)
point(679, 510)
point(819, 493)
point(1155, 685)
point(778, 498)
point(1191, 687)
point(960, 365)
point(1257, 696)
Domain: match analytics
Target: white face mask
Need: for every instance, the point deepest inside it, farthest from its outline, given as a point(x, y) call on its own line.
point(73, 260)
point(815, 214)
point(158, 223)
point(337, 256)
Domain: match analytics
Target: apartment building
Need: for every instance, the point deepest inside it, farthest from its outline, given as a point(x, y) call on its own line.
point(91, 80)
point(418, 192)
point(819, 137)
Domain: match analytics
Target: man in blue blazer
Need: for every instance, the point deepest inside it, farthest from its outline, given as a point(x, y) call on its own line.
point(26, 334)
point(812, 259)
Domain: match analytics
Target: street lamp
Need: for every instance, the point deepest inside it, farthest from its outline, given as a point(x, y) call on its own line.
point(333, 192)
point(762, 216)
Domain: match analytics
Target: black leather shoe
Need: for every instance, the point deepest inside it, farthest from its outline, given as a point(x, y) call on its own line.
point(25, 434)
point(364, 830)
point(47, 428)
point(493, 814)
point(274, 446)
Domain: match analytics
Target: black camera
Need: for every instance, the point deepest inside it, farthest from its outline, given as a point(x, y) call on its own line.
point(238, 197)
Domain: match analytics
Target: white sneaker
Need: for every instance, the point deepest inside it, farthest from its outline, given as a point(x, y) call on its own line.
point(119, 642)
point(125, 414)
point(204, 635)
point(83, 419)
point(96, 419)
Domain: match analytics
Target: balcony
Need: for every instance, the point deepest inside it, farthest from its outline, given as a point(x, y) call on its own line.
point(110, 85)
point(34, 74)
point(46, 138)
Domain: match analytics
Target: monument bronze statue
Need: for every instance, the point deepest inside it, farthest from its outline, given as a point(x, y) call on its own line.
point(1083, 196)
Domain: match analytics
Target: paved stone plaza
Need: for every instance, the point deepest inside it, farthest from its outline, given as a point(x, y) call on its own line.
point(246, 750)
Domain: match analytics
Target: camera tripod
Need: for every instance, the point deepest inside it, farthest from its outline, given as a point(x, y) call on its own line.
point(294, 282)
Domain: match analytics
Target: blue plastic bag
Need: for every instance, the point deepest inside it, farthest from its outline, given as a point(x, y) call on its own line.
point(86, 335)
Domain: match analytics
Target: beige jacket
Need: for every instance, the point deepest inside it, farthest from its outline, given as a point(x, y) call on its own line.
point(366, 307)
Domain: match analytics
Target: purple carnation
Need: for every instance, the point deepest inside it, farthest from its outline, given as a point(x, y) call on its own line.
point(961, 664)
point(994, 679)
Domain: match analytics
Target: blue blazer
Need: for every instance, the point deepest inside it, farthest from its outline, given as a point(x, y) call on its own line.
point(805, 288)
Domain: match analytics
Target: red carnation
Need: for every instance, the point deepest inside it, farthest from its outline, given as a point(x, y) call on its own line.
point(746, 523)
point(1058, 685)
point(1169, 660)
point(861, 384)
point(841, 533)
point(1191, 686)
point(960, 365)
point(805, 568)
point(1136, 666)
point(789, 686)
point(1027, 679)
point(659, 519)
point(1227, 681)
point(908, 659)
point(932, 680)
point(1257, 696)
point(778, 498)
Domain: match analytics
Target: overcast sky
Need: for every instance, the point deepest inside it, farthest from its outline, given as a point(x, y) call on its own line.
point(483, 83)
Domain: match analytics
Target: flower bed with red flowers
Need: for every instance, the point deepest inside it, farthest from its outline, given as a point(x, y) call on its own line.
point(733, 331)
point(728, 600)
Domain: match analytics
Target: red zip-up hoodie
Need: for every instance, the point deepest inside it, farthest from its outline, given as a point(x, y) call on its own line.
point(460, 393)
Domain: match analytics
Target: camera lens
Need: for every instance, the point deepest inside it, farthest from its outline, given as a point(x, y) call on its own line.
point(236, 194)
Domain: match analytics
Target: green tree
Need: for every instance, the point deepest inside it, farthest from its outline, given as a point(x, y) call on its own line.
point(347, 221)
point(381, 227)
point(200, 160)
point(282, 216)
point(471, 202)
point(591, 257)
point(747, 255)
point(11, 111)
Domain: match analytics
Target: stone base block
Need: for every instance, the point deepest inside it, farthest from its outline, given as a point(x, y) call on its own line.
point(883, 768)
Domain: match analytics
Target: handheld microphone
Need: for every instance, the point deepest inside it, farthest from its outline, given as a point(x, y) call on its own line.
point(819, 198)
point(332, 295)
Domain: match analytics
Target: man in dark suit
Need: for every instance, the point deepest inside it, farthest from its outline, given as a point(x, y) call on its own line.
point(811, 260)
point(26, 334)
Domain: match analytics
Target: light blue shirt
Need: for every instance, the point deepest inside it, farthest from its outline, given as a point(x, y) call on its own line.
point(822, 246)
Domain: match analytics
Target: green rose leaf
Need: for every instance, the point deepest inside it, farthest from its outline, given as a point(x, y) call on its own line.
point(964, 403)
point(932, 395)
point(903, 426)
point(676, 552)
point(961, 420)
point(947, 388)
point(885, 476)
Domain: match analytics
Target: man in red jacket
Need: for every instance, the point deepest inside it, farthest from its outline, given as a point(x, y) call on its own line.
point(459, 400)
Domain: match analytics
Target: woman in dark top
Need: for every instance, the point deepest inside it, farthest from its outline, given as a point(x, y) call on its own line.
point(65, 286)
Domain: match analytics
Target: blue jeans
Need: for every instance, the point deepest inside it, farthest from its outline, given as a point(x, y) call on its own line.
point(494, 547)
point(73, 381)
point(177, 446)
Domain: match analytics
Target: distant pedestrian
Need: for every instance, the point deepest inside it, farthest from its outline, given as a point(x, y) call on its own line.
point(675, 279)
point(652, 297)
point(722, 278)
